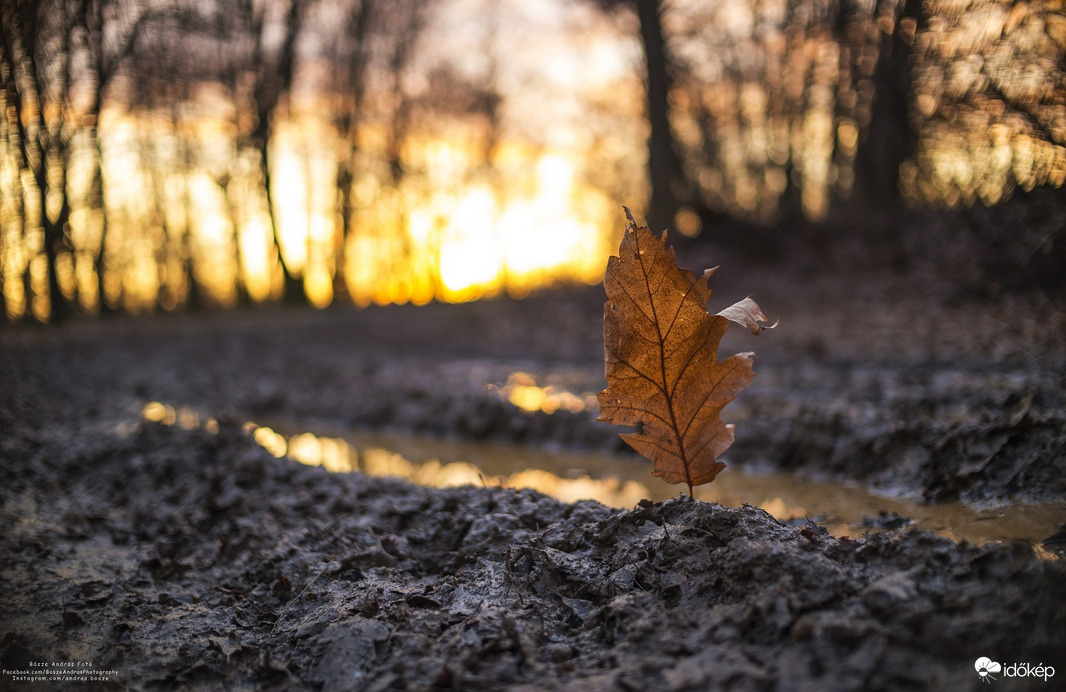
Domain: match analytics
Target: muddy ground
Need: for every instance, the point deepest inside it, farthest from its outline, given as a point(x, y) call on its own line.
point(925, 355)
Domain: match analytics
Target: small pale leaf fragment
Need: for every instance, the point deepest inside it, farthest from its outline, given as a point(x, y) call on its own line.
point(747, 314)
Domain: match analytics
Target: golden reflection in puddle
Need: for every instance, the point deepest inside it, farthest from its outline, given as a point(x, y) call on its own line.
point(611, 491)
point(184, 418)
point(616, 481)
point(269, 440)
point(338, 455)
point(622, 482)
point(523, 391)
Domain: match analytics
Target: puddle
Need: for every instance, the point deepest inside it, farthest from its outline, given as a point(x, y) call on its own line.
point(846, 509)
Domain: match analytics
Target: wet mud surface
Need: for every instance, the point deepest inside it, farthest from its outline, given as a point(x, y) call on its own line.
point(193, 558)
point(186, 559)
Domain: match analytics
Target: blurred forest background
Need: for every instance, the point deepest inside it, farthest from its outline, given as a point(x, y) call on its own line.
point(163, 154)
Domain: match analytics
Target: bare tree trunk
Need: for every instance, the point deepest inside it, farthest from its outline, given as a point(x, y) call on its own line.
point(347, 123)
point(890, 136)
point(94, 25)
point(294, 287)
point(57, 241)
point(96, 201)
point(268, 94)
point(56, 244)
point(664, 166)
point(340, 242)
point(194, 299)
point(105, 63)
point(40, 145)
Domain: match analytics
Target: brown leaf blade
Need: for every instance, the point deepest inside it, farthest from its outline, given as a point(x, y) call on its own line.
point(660, 354)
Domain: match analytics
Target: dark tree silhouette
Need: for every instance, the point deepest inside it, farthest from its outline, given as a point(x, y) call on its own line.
point(669, 185)
point(126, 21)
point(890, 137)
point(271, 73)
point(54, 54)
point(351, 58)
point(36, 69)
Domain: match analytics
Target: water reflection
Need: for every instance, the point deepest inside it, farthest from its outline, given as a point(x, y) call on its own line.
point(845, 509)
point(523, 391)
point(622, 481)
point(184, 418)
point(375, 458)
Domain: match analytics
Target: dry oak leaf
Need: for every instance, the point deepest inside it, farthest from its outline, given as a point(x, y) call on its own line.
point(660, 352)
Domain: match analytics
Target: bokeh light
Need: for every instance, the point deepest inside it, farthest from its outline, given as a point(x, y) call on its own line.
point(413, 151)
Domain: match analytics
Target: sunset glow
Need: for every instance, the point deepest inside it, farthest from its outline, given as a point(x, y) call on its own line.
point(470, 149)
point(427, 240)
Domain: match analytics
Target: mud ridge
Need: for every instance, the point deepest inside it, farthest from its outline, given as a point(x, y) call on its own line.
point(191, 559)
